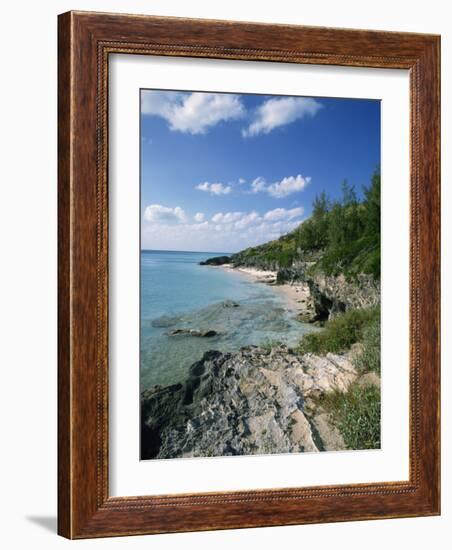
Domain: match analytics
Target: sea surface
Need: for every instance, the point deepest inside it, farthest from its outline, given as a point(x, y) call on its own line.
point(178, 293)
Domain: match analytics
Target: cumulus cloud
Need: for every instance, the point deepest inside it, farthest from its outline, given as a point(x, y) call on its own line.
point(226, 218)
point(156, 213)
point(280, 111)
point(287, 186)
point(283, 214)
point(192, 113)
point(214, 188)
point(247, 220)
point(258, 184)
point(223, 232)
point(199, 217)
point(277, 189)
point(280, 189)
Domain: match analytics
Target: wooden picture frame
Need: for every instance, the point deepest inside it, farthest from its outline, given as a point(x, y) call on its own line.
point(85, 42)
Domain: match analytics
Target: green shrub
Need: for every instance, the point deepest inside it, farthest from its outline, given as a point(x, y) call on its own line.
point(356, 414)
point(341, 332)
point(359, 256)
point(369, 360)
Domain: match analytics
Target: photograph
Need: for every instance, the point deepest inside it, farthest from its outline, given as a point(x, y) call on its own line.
point(227, 235)
point(259, 274)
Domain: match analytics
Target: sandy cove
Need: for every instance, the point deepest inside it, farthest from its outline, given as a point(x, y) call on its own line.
point(297, 295)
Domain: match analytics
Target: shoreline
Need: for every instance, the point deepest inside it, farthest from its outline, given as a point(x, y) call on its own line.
point(297, 295)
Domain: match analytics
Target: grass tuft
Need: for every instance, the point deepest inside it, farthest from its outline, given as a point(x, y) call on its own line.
point(341, 332)
point(356, 414)
point(369, 359)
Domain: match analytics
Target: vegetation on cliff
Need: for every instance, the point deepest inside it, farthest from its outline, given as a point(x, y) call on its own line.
point(356, 412)
point(341, 332)
point(341, 236)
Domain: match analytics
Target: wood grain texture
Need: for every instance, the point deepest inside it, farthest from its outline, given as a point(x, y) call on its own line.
point(85, 42)
point(64, 295)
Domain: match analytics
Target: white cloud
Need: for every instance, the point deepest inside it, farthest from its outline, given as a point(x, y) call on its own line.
point(280, 111)
point(258, 184)
point(242, 181)
point(280, 189)
point(236, 220)
point(156, 213)
point(192, 113)
point(224, 232)
point(283, 214)
point(287, 186)
point(247, 220)
point(214, 188)
point(229, 217)
point(199, 217)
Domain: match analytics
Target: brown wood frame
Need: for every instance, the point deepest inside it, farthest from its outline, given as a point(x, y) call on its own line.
point(84, 44)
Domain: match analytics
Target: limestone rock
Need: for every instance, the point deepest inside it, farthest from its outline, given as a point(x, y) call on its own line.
point(250, 402)
point(328, 295)
point(330, 436)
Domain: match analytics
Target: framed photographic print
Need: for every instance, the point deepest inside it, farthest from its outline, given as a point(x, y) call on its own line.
point(248, 275)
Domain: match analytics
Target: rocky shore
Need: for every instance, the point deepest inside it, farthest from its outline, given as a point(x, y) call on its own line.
point(329, 295)
point(261, 400)
point(324, 394)
point(315, 296)
point(256, 401)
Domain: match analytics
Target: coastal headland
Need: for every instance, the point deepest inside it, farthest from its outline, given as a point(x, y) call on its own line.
point(261, 399)
point(322, 394)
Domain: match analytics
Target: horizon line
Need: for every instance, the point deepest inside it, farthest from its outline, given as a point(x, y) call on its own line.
point(190, 251)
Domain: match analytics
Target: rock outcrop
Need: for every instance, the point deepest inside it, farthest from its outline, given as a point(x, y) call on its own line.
point(217, 260)
point(324, 296)
point(334, 295)
point(255, 401)
point(328, 295)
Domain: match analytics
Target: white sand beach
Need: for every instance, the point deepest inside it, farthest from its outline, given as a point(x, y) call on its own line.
point(297, 295)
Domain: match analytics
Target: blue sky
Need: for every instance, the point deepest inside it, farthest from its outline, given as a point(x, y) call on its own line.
point(221, 172)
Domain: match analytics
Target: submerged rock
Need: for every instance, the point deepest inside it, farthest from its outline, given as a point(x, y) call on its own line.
point(191, 332)
point(256, 401)
point(165, 321)
point(230, 303)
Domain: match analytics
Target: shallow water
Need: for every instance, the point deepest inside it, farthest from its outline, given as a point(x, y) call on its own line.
point(178, 293)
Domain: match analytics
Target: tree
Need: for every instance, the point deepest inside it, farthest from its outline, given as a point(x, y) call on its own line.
point(341, 236)
point(348, 194)
point(319, 221)
point(320, 206)
point(373, 206)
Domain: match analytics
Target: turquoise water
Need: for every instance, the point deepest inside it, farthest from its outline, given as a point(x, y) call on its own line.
point(178, 293)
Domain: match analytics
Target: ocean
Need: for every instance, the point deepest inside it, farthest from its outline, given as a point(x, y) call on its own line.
point(178, 293)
